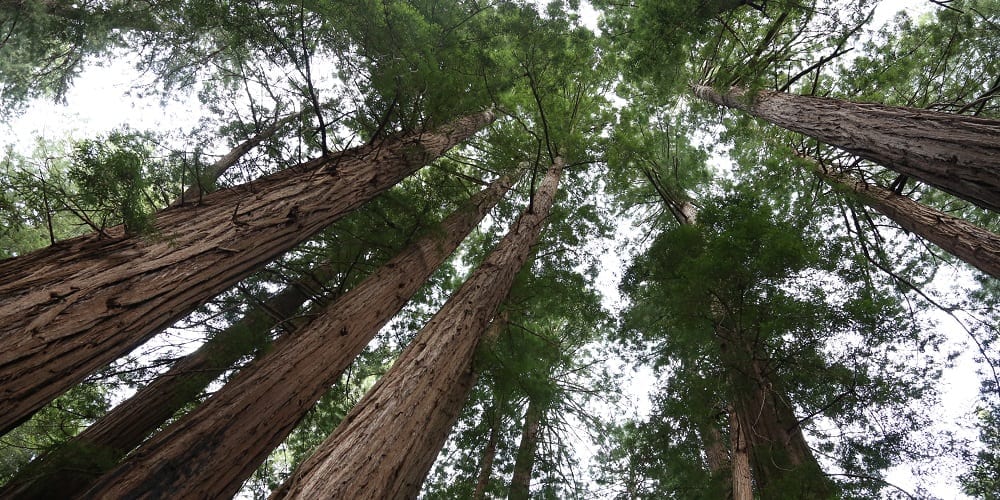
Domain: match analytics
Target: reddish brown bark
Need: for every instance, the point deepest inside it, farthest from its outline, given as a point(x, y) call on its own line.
point(524, 462)
point(974, 245)
point(66, 471)
point(67, 310)
point(212, 450)
point(388, 442)
point(955, 153)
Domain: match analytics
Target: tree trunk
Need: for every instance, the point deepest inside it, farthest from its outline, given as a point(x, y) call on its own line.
point(955, 153)
point(68, 310)
point(742, 482)
point(388, 442)
point(716, 454)
point(524, 463)
point(782, 462)
point(212, 173)
point(489, 453)
point(69, 469)
point(212, 450)
point(974, 245)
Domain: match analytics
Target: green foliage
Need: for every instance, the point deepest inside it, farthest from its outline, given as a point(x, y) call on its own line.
point(981, 481)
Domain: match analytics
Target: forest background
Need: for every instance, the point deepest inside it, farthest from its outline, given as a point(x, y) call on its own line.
point(590, 445)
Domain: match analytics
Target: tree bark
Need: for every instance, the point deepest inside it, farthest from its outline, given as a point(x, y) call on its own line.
point(69, 469)
point(67, 310)
point(520, 482)
point(489, 454)
point(386, 445)
point(212, 173)
point(955, 153)
point(716, 454)
point(212, 450)
point(742, 482)
point(976, 246)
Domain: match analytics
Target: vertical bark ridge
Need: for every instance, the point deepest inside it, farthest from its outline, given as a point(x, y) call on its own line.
point(388, 442)
point(742, 487)
point(958, 154)
point(69, 309)
point(212, 450)
point(489, 453)
point(976, 246)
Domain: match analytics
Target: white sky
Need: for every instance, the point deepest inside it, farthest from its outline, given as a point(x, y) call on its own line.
point(99, 101)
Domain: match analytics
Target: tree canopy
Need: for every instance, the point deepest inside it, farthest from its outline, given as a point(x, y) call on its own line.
point(727, 271)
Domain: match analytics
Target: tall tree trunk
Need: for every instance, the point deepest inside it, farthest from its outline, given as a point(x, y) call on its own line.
point(388, 442)
point(955, 153)
point(489, 452)
point(211, 174)
point(974, 245)
point(212, 450)
point(524, 462)
point(67, 470)
point(782, 462)
point(742, 482)
point(67, 310)
point(716, 456)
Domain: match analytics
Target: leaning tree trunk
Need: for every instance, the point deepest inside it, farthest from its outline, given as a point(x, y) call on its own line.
point(524, 462)
point(212, 450)
point(976, 246)
point(955, 153)
point(66, 471)
point(67, 310)
point(208, 177)
point(386, 445)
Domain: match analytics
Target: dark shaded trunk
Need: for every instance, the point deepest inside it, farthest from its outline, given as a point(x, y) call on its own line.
point(67, 470)
point(524, 462)
point(72, 308)
point(489, 453)
point(212, 450)
point(386, 445)
point(716, 457)
point(974, 245)
point(208, 177)
point(955, 153)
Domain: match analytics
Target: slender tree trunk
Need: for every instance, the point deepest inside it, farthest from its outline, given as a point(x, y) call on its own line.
point(66, 471)
point(67, 310)
point(211, 174)
point(742, 482)
point(955, 153)
point(976, 246)
point(489, 453)
point(212, 450)
point(524, 463)
point(388, 442)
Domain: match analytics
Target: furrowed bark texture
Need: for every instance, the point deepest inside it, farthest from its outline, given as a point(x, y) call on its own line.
point(955, 153)
point(388, 442)
point(212, 173)
point(524, 463)
point(742, 482)
point(716, 454)
point(976, 246)
point(212, 450)
point(68, 470)
point(68, 310)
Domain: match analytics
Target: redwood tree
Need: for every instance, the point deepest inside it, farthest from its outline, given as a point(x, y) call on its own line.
point(976, 246)
point(386, 445)
point(212, 450)
point(955, 153)
point(69, 309)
